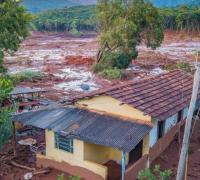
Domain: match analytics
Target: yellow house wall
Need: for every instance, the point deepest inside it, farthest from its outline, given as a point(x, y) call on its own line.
point(75, 159)
point(112, 106)
point(102, 154)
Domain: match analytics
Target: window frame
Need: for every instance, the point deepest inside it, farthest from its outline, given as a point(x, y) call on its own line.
point(63, 143)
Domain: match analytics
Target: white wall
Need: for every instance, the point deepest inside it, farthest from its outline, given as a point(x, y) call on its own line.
point(170, 122)
point(153, 134)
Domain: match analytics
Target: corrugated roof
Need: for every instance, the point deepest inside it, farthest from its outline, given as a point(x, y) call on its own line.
point(88, 126)
point(161, 96)
point(26, 90)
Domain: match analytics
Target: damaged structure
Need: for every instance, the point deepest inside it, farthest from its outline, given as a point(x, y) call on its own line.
point(115, 132)
point(26, 98)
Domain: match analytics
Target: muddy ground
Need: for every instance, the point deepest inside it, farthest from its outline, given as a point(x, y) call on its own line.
point(67, 61)
point(169, 158)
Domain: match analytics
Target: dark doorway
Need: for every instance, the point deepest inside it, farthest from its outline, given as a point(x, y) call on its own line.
point(180, 115)
point(161, 127)
point(136, 153)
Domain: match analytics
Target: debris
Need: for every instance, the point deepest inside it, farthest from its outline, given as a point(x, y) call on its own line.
point(28, 176)
point(27, 142)
point(43, 171)
point(21, 166)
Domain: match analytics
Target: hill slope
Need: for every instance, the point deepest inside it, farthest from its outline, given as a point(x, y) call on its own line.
point(41, 5)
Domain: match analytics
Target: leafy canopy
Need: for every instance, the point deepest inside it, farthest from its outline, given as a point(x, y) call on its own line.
point(14, 22)
point(125, 24)
point(13, 27)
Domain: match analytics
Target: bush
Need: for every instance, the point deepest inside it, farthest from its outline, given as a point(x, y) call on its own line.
point(75, 32)
point(111, 73)
point(74, 178)
point(184, 66)
point(27, 76)
point(111, 60)
point(5, 126)
point(156, 174)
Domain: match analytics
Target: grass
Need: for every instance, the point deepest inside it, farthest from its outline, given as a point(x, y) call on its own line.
point(111, 74)
point(27, 76)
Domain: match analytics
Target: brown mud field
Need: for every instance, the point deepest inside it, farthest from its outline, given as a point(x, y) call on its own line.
point(66, 61)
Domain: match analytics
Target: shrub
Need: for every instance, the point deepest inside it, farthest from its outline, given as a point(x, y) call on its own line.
point(110, 60)
point(75, 32)
point(184, 66)
point(5, 126)
point(156, 174)
point(74, 178)
point(27, 75)
point(60, 177)
point(111, 73)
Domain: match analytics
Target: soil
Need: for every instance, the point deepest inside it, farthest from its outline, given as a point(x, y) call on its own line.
point(66, 61)
point(170, 157)
point(24, 157)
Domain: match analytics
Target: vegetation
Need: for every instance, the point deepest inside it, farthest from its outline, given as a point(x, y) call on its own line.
point(43, 5)
point(74, 178)
point(13, 29)
point(185, 66)
point(112, 73)
point(122, 27)
point(181, 18)
point(27, 76)
point(156, 174)
point(61, 177)
point(5, 125)
point(83, 18)
point(74, 19)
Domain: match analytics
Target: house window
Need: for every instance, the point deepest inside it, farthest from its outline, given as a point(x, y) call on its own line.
point(161, 127)
point(63, 143)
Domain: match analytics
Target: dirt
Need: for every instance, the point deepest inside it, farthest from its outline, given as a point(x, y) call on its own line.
point(24, 157)
point(169, 158)
point(66, 61)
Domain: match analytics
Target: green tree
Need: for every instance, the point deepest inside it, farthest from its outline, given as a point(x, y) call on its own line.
point(123, 25)
point(14, 23)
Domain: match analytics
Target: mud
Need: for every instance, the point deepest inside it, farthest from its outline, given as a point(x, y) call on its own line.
point(169, 158)
point(66, 61)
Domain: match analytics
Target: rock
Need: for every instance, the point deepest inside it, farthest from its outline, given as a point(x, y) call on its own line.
point(85, 87)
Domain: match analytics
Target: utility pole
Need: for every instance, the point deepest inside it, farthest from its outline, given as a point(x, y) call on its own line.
point(188, 126)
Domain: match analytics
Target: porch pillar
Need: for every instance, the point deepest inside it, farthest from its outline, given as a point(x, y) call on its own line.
point(123, 164)
point(14, 139)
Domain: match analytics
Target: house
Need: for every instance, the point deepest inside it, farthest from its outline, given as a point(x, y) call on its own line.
point(82, 142)
point(26, 98)
point(118, 130)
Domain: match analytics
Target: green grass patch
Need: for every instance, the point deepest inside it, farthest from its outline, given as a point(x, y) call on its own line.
point(111, 74)
point(27, 76)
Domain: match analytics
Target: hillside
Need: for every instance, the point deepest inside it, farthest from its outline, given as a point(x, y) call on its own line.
point(42, 5)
